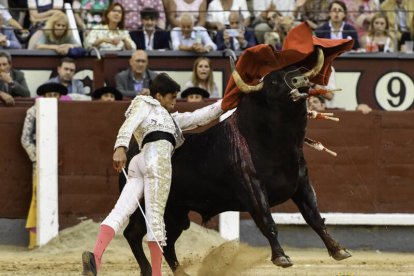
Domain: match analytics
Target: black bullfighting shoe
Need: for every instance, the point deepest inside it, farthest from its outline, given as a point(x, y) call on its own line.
point(89, 265)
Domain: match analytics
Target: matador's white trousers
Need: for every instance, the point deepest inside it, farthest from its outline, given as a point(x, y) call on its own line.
point(149, 172)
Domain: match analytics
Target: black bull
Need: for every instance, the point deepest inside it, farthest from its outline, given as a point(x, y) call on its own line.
point(250, 162)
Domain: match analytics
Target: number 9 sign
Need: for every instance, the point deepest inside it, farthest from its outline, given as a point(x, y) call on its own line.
point(395, 92)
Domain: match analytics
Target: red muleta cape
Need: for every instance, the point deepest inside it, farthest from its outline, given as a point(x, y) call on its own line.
point(298, 49)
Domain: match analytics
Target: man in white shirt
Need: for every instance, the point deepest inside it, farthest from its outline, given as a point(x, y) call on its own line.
point(190, 38)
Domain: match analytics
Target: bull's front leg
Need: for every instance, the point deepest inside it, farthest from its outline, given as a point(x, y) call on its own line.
point(259, 209)
point(305, 199)
point(263, 219)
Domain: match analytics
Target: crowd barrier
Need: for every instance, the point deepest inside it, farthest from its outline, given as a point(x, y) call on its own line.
point(373, 172)
point(384, 81)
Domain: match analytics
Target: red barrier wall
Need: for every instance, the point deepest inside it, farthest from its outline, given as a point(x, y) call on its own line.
point(374, 171)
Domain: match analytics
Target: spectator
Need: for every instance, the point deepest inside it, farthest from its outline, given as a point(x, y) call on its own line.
point(133, 17)
point(190, 38)
point(8, 19)
point(264, 9)
point(41, 10)
point(12, 81)
point(88, 13)
point(237, 37)
point(407, 36)
point(195, 94)
point(400, 16)
point(281, 25)
point(314, 12)
point(66, 70)
point(360, 14)
point(19, 11)
point(56, 35)
point(336, 27)
point(317, 103)
point(111, 34)
point(196, 8)
point(28, 140)
point(136, 79)
point(150, 36)
point(219, 10)
point(8, 39)
point(107, 94)
point(202, 77)
point(378, 38)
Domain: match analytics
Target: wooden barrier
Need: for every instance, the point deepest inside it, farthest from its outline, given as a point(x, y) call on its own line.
point(384, 81)
point(374, 172)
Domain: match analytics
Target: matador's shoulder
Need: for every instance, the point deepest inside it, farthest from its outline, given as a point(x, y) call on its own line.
point(139, 102)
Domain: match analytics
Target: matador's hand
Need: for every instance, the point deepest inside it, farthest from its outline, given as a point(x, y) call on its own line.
point(119, 159)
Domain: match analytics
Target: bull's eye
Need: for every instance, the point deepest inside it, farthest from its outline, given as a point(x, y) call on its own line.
point(294, 80)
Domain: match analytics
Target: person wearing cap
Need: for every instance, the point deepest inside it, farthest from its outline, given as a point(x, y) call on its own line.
point(195, 94)
point(107, 94)
point(158, 134)
point(149, 36)
point(28, 141)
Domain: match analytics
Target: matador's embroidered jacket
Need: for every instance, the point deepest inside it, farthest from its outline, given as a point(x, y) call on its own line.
point(145, 115)
point(28, 138)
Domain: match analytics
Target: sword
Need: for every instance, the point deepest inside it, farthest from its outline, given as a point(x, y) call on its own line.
point(143, 214)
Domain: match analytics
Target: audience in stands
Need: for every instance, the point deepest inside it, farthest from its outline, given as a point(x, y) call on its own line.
point(281, 25)
point(41, 10)
point(317, 103)
point(28, 141)
point(191, 38)
point(136, 79)
point(107, 94)
point(88, 13)
point(195, 94)
point(9, 20)
point(219, 10)
point(202, 76)
point(12, 81)
point(407, 36)
point(133, 18)
point(111, 35)
point(150, 36)
point(56, 35)
point(176, 8)
point(400, 16)
point(378, 38)
point(360, 14)
point(336, 27)
point(66, 70)
point(265, 12)
point(314, 12)
point(235, 37)
point(18, 10)
point(8, 39)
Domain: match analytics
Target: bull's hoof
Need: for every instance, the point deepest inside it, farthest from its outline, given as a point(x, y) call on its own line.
point(282, 261)
point(341, 255)
point(180, 272)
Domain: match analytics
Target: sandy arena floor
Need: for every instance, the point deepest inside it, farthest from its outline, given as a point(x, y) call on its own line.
point(201, 251)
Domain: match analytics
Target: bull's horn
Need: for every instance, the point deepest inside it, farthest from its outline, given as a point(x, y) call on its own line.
point(243, 87)
point(315, 70)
